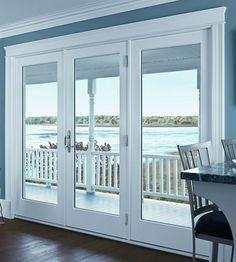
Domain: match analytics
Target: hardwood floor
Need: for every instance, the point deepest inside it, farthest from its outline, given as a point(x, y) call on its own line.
point(31, 242)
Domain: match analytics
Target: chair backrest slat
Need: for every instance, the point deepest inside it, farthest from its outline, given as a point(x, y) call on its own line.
point(229, 146)
point(200, 157)
point(193, 156)
point(200, 202)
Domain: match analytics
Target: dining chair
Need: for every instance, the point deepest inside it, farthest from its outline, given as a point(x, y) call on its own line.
point(229, 146)
point(208, 222)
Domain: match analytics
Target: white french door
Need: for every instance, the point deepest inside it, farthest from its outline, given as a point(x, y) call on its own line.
point(72, 139)
point(80, 106)
point(96, 139)
point(160, 71)
point(39, 182)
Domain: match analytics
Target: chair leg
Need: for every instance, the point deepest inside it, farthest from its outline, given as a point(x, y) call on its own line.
point(194, 248)
point(232, 254)
point(214, 252)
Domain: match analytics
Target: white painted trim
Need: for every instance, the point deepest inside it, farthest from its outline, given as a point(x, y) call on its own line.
point(10, 115)
point(81, 13)
point(155, 27)
point(6, 209)
point(218, 92)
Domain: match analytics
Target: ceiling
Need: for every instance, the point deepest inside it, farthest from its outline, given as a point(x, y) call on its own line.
point(158, 60)
point(13, 11)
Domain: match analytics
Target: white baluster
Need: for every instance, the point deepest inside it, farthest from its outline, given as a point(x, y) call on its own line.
point(100, 171)
point(37, 164)
point(41, 164)
point(78, 159)
point(182, 187)
point(32, 164)
point(103, 170)
point(55, 165)
point(175, 164)
point(27, 165)
point(84, 169)
point(55, 161)
point(147, 174)
point(97, 172)
point(161, 175)
point(109, 170)
point(115, 172)
point(50, 164)
point(153, 175)
point(47, 174)
point(168, 180)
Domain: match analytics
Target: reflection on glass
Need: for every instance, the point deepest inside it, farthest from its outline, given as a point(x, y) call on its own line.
point(40, 132)
point(170, 109)
point(97, 99)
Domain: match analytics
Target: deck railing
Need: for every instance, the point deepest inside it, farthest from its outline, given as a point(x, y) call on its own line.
point(41, 165)
point(161, 177)
point(106, 170)
point(161, 173)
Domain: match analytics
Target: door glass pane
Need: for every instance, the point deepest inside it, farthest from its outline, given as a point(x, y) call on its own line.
point(97, 133)
point(170, 110)
point(40, 132)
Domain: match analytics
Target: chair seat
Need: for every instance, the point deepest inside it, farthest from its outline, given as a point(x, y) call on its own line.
point(214, 224)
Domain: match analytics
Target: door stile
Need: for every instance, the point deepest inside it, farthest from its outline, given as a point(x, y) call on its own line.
point(61, 131)
point(69, 125)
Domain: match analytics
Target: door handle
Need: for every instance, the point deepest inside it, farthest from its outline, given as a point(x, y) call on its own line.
point(67, 141)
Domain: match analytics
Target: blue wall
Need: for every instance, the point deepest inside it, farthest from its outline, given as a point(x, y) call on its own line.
point(178, 7)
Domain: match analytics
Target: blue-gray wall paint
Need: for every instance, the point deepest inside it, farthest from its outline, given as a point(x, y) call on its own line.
point(182, 6)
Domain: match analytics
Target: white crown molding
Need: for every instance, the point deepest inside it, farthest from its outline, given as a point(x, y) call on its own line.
point(101, 8)
point(166, 25)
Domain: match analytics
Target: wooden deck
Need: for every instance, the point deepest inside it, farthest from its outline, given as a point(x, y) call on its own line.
point(155, 210)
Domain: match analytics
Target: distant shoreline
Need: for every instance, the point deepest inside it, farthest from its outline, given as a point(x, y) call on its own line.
point(107, 125)
point(113, 121)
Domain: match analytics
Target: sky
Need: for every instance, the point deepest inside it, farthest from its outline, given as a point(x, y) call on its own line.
point(170, 94)
point(164, 94)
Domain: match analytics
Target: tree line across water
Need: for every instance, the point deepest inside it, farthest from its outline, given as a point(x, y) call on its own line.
point(113, 121)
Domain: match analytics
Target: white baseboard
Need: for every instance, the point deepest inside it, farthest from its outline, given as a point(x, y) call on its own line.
point(6, 207)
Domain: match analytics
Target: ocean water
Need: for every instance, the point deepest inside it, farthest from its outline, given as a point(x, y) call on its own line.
point(156, 140)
